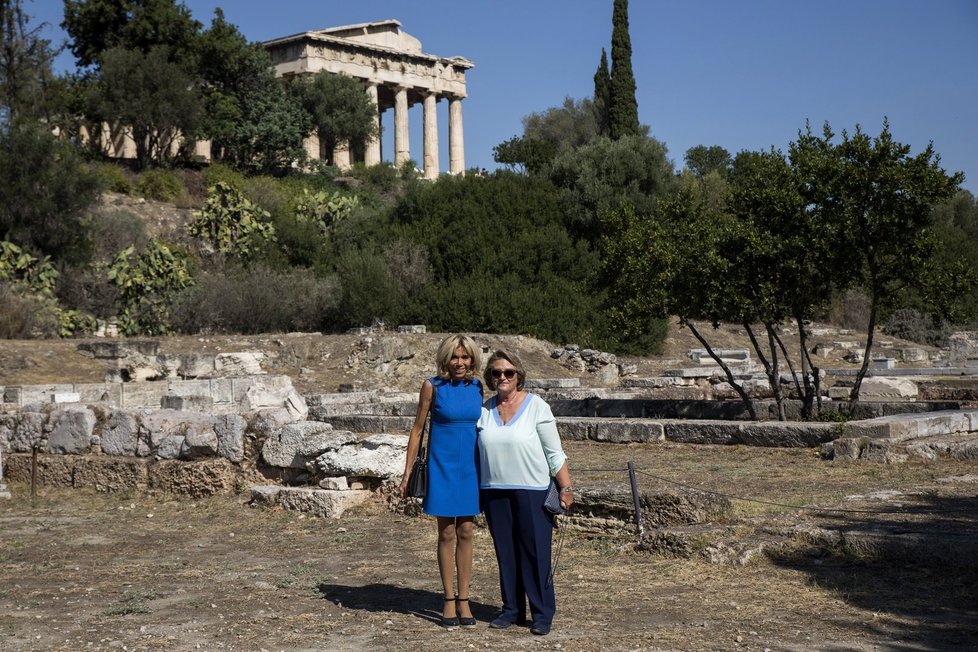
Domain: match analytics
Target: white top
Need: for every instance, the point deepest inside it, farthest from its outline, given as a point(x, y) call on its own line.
point(523, 453)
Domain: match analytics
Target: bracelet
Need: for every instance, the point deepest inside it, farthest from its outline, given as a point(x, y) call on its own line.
point(566, 489)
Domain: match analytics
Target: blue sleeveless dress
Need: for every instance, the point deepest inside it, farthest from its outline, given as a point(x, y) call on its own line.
point(453, 475)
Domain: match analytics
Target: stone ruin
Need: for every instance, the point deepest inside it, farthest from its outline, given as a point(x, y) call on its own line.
point(203, 424)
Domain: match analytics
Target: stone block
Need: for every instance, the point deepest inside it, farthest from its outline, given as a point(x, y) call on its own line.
point(786, 434)
point(142, 394)
point(553, 383)
point(632, 430)
point(295, 444)
point(381, 456)
point(244, 363)
point(71, 430)
point(265, 495)
point(110, 393)
point(195, 479)
point(221, 391)
point(321, 502)
point(22, 430)
point(230, 429)
point(105, 474)
point(199, 440)
point(877, 388)
point(367, 423)
point(52, 470)
point(203, 404)
point(574, 428)
point(414, 329)
point(338, 483)
point(689, 431)
point(196, 365)
point(882, 363)
point(120, 434)
point(65, 397)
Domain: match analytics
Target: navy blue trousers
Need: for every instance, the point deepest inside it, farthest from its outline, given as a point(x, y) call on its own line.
point(522, 535)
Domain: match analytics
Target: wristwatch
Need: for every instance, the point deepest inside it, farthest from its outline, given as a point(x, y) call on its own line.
point(566, 489)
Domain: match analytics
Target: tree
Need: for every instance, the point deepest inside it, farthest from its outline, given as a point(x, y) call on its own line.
point(602, 94)
point(623, 107)
point(605, 173)
point(883, 199)
point(236, 78)
point(701, 160)
point(568, 126)
point(149, 94)
point(524, 155)
point(44, 193)
point(97, 26)
point(25, 64)
point(338, 107)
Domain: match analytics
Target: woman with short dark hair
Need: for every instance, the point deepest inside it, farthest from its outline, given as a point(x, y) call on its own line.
point(519, 451)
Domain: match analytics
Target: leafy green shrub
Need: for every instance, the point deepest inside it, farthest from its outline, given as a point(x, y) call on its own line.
point(221, 172)
point(232, 224)
point(147, 283)
point(324, 209)
point(256, 299)
point(113, 231)
point(369, 291)
point(381, 178)
point(909, 324)
point(161, 185)
point(115, 178)
point(270, 194)
point(45, 192)
point(24, 315)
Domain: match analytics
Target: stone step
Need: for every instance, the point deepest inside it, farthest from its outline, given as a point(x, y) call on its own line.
point(788, 434)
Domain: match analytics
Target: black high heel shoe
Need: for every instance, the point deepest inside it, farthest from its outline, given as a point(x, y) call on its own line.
point(450, 622)
point(467, 622)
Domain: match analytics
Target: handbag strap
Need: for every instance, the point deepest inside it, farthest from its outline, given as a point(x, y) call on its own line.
point(427, 421)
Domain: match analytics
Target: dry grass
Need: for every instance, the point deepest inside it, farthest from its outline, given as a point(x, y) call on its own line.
point(94, 571)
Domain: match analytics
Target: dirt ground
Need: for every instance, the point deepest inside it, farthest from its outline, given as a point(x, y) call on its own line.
point(87, 571)
point(128, 571)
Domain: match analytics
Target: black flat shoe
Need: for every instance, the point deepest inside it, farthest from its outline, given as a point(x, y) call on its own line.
point(540, 630)
point(449, 622)
point(467, 622)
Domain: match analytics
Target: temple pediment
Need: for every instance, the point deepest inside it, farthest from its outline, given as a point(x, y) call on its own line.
point(385, 33)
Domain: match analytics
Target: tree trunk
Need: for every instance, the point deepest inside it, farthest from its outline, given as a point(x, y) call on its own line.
point(748, 403)
point(854, 394)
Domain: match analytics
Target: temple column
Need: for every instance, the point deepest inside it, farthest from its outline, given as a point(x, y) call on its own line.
point(402, 142)
point(371, 155)
point(341, 155)
point(431, 136)
point(456, 145)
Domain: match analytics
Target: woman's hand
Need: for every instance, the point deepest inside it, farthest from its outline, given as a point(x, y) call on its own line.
point(404, 485)
point(566, 498)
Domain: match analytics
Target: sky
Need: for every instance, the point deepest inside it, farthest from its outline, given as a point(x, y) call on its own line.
point(742, 74)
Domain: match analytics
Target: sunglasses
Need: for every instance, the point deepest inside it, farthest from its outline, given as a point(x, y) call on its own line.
point(499, 373)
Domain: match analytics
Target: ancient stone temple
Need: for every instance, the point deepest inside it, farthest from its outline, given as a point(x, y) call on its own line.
point(396, 74)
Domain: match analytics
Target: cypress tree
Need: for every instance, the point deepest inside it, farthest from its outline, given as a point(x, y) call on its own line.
point(623, 108)
point(602, 93)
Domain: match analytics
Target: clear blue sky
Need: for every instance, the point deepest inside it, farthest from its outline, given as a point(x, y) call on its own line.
point(743, 74)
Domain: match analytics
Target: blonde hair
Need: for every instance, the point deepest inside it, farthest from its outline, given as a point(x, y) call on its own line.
point(446, 350)
point(511, 359)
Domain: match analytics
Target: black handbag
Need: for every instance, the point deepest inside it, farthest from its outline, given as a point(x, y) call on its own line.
point(418, 482)
point(551, 504)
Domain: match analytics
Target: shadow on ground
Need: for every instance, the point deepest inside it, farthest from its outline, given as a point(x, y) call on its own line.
point(913, 567)
point(387, 597)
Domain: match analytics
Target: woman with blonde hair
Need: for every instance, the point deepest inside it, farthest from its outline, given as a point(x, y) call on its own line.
point(454, 398)
point(519, 452)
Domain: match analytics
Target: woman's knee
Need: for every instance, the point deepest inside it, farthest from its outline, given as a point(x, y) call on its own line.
point(464, 531)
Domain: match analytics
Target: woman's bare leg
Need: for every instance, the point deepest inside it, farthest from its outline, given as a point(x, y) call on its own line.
point(464, 528)
point(446, 561)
